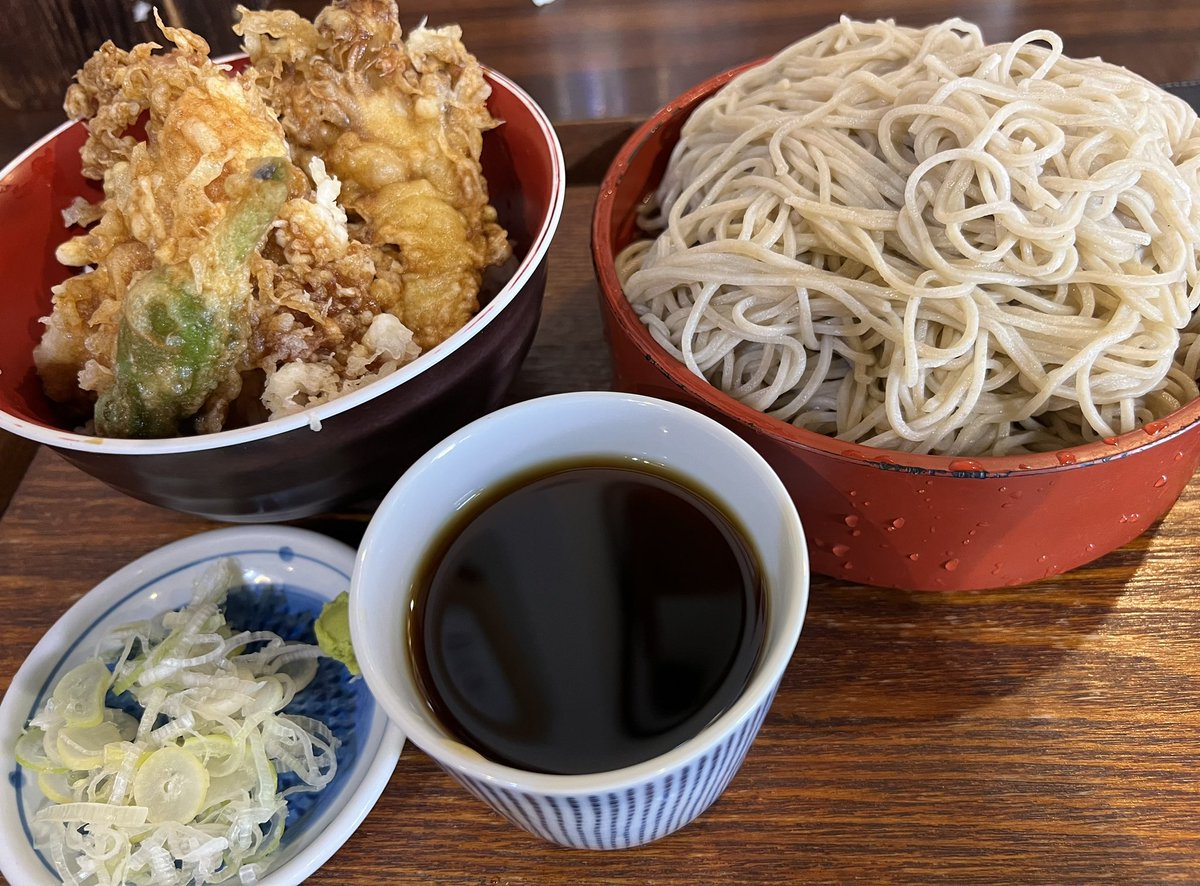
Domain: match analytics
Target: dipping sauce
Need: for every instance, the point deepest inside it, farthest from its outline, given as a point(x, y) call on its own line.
point(584, 617)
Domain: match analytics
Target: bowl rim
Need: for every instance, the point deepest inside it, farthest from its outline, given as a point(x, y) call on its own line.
point(768, 672)
point(1155, 433)
point(312, 417)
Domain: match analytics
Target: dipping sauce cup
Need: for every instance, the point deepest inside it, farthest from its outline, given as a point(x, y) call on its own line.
point(638, 803)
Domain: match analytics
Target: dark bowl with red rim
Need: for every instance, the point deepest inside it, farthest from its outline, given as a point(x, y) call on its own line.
point(872, 516)
point(325, 456)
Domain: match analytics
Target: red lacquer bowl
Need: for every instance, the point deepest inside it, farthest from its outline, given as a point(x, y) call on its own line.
point(888, 518)
point(327, 455)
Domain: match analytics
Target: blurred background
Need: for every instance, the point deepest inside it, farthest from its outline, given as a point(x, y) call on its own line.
point(586, 59)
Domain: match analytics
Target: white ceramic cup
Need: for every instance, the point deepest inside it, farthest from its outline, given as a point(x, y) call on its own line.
point(606, 810)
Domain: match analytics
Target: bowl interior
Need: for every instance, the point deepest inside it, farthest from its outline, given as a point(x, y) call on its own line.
point(32, 196)
point(37, 186)
point(642, 162)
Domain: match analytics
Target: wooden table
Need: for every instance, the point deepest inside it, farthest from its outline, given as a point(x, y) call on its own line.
point(1048, 733)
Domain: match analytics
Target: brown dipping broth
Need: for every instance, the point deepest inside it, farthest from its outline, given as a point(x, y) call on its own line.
point(582, 617)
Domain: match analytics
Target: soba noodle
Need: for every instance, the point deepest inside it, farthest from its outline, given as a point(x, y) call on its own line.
point(910, 239)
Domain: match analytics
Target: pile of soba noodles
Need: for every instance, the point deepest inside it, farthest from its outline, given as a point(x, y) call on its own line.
point(910, 239)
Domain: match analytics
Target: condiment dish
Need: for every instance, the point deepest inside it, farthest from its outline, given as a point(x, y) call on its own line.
point(301, 570)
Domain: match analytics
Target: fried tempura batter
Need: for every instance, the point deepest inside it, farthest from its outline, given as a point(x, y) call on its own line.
point(319, 320)
point(164, 196)
point(400, 123)
point(183, 325)
point(334, 301)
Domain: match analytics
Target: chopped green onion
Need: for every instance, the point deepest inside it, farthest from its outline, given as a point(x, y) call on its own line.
point(189, 792)
point(79, 695)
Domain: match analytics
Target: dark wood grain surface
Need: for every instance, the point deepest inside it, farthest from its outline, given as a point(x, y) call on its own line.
point(1047, 734)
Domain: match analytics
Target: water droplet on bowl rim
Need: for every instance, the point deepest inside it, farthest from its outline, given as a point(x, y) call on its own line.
point(851, 520)
point(951, 564)
point(840, 550)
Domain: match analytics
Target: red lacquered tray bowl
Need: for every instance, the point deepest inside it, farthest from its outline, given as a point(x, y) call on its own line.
point(325, 456)
point(888, 518)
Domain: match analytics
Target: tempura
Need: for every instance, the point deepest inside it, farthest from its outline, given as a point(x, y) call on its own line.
point(373, 248)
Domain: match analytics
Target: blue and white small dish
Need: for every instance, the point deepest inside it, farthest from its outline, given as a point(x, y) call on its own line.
point(288, 574)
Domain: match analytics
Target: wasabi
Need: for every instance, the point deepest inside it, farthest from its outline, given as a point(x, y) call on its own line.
point(333, 632)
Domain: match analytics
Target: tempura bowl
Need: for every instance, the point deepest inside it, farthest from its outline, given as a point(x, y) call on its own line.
point(325, 456)
point(888, 518)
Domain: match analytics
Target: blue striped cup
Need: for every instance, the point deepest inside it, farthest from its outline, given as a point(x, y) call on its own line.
point(606, 810)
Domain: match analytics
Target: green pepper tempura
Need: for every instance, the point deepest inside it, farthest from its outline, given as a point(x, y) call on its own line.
point(184, 326)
